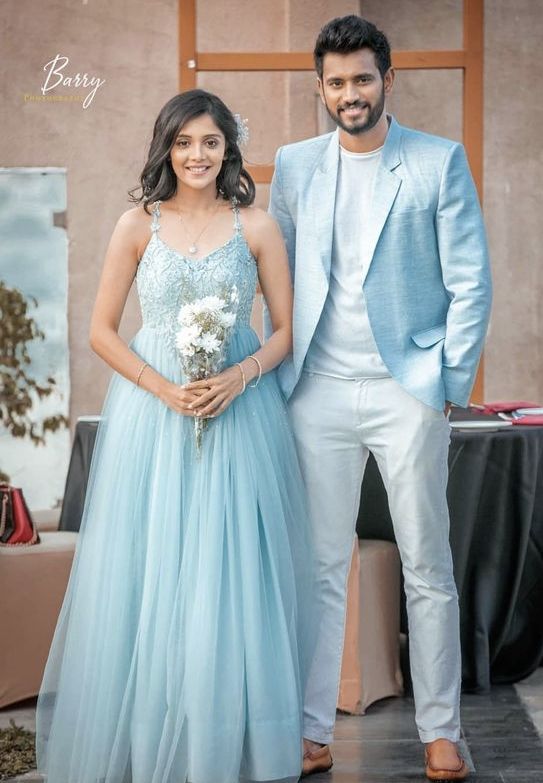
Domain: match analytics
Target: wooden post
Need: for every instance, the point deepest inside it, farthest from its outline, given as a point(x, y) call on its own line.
point(473, 88)
point(473, 118)
point(188, 62)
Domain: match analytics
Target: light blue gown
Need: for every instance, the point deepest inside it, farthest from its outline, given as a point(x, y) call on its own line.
point(184, 638)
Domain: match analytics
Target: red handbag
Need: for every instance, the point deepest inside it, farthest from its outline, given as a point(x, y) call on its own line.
point(17, 527)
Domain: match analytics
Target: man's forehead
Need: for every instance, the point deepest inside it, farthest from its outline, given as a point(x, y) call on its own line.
point(345, 66)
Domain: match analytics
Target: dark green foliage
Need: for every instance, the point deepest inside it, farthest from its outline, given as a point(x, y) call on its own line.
point(17, 329)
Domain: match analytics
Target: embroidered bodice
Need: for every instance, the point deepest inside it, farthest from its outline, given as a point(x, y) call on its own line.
point(166, 279)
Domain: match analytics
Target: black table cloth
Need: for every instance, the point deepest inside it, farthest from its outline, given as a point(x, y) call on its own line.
point(78, 473)
point(495, 499)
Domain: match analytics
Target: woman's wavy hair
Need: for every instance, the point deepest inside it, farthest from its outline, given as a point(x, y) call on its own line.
point(158, 180)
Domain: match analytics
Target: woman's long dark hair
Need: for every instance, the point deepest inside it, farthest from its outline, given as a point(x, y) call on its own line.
point(158, 179)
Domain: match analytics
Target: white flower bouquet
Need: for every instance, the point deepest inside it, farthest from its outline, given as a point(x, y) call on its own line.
point(205, 327)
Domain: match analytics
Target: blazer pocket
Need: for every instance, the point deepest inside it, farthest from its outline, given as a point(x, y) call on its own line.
point(398, 211)
point(429, 337)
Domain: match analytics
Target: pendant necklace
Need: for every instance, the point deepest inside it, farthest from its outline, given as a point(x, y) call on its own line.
point(193, 247)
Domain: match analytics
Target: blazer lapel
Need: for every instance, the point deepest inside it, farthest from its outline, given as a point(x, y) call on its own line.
point(386, 185)
point(313, 270)
point(323, 199)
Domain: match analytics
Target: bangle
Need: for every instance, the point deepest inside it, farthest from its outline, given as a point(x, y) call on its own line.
point(143, 366)
point(238, 364)
point(253, 385)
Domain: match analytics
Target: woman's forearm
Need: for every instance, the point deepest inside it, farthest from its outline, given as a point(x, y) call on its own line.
point(113, 350)
point(270, 354)
point(107, 344)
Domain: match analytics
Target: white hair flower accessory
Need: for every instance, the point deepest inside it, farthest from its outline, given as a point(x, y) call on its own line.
point(243, 130)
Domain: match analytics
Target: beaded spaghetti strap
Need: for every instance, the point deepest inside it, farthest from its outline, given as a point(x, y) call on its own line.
point(237, 222)
point(155, 224)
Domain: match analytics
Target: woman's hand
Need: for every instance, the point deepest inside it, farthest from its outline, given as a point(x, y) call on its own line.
point(179, 398)
point(216, 393)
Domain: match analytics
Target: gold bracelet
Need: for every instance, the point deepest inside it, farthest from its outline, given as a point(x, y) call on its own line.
point(143, 366)
point(238, 364)
point(253, 385)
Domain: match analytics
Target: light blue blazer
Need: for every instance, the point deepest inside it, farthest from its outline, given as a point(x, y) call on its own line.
point(428, 288)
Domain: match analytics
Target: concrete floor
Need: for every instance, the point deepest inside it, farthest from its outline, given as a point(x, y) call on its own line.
point(502, 738)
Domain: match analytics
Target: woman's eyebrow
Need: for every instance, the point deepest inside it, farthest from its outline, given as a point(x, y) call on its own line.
point(207, 136)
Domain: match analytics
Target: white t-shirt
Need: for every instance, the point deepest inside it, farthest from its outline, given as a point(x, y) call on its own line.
point(343, 344)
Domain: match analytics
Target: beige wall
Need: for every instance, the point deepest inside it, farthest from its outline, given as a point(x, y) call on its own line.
point(134, 47)
point(513, 177)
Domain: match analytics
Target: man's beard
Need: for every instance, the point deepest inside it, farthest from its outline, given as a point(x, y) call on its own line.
point(360, 126)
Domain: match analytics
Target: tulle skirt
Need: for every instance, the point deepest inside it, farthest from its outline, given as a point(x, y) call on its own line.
point(184, 639)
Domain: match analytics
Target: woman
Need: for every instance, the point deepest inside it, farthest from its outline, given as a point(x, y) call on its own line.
point(181, 647)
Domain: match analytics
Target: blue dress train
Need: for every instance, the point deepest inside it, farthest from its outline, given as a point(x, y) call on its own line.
point(184, 639)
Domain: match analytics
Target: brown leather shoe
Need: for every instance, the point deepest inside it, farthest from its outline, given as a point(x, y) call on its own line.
point(317, 761)
point(435, 769)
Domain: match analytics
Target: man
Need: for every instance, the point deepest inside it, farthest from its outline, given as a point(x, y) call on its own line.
point(392, 294)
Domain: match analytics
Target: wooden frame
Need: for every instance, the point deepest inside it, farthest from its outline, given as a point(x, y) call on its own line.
point(469, 59)
point(303, 61)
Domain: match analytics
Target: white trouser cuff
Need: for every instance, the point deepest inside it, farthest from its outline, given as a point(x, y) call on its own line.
point(316, 733)
point(430, 736)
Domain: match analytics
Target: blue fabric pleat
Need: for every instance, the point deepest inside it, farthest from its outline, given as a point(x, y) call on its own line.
point(184, 639)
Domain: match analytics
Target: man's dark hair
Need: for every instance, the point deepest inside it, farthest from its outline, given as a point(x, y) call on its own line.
point(346, 34)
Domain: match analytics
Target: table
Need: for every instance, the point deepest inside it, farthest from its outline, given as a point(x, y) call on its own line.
point(495, 496)
point(78, 473)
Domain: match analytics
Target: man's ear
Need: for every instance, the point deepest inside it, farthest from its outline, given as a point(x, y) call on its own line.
point(388, 80)
point(321, 90)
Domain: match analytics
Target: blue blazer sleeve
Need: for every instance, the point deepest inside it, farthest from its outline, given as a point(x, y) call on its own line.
point(279, 210)
point(466, 274)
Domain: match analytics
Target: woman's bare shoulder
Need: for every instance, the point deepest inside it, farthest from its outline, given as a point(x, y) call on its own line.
point(261, 231)
point(257, 221)
point(135, 217)
point(135, 224)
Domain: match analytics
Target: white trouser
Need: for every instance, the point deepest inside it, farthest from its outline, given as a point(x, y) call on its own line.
point(336, 423)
